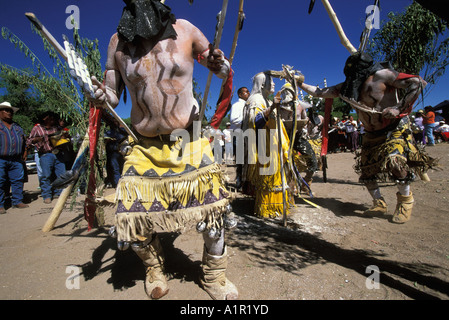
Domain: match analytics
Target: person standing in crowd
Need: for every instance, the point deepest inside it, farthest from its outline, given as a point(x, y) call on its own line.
point(228, 143)
point(236, 118)
point(352, 134)
point(442, 131)
point(418, 128)
point(341, 138)
point(12, 154)
point(50, 161)
point(429, 125)
point(360, 133)
point(333, 135)
point(63, 143)
point(217, 144)
point(114, 159)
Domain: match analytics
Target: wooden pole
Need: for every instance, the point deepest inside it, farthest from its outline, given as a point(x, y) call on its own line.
point(57, 210)
point(344, 40)
point(236, 33)
point(281, 166)
point(216, 45)
point(234, 42)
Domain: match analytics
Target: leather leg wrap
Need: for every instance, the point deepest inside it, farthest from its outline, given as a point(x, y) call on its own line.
point(153, 259)
point(404, 208)
point(214, 279)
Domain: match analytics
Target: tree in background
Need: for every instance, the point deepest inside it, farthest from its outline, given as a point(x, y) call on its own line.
point(38, 89)
point(20, 94)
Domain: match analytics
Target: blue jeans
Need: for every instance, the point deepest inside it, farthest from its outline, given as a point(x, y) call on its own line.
point(114, 166)
point(428, 131)
point(52, 167)
point(38, 167)
point(11, 170)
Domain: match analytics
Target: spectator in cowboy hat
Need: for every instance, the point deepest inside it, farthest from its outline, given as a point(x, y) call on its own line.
point(12, 150)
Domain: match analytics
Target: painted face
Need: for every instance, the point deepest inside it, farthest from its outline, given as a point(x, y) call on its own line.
point(286, 96)
point(269, 85)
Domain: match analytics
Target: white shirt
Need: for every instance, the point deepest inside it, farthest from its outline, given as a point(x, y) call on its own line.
point(350, 126)
point(443, 128)
point(227, 135)
point(236, 116)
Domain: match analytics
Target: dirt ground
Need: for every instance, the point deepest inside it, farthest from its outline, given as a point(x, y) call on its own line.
point(322, 254)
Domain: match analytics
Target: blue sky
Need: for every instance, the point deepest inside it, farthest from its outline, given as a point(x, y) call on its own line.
point(274, 33)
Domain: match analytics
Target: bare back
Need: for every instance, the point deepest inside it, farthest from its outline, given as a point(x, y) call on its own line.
point(159, 79)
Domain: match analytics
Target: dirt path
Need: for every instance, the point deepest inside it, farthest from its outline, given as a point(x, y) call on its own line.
point(322, 254)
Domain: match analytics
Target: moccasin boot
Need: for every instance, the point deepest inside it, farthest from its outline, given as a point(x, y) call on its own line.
point(214, 280)
point(404, 207)
point(379, 207)
point(153, 258)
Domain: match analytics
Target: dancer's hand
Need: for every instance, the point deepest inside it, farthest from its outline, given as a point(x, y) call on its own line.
point(99, 92)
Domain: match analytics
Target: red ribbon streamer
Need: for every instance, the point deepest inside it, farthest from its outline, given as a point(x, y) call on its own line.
point(325, 131)
point(224, 102)
point(94, 131)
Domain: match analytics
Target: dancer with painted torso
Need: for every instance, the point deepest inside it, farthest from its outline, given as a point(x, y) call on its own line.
point(167, 183)
point(387, 150)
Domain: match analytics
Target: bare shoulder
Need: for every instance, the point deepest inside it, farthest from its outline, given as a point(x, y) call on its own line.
point(189, 33)
point(385, 75)
point(112, 49)
point(113, 42)
point(185, 26)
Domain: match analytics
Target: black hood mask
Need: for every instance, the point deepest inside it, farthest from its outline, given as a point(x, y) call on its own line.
point(358, 67)
point(148, 19)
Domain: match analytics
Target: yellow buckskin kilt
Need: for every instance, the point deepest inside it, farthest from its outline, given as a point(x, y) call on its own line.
point(163, 187)
point(381, 153)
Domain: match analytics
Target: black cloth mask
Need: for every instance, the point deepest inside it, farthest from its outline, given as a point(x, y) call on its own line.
point(358, 67)
point(148, 19)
